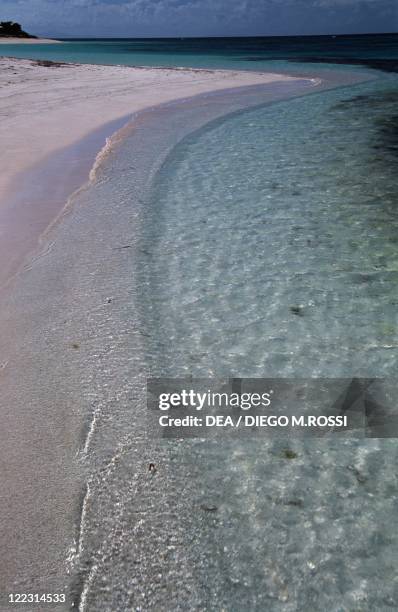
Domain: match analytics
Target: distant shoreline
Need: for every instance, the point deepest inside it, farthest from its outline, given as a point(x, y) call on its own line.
point(63, 103)
point(13, 40)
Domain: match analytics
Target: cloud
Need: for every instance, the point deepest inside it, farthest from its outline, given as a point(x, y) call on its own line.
point(199, 17)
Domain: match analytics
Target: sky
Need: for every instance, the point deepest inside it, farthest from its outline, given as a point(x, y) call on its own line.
point(200, 17)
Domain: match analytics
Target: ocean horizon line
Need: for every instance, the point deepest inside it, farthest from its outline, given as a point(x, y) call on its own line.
point(232, 37)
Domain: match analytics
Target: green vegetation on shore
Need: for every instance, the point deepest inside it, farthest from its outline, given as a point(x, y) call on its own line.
point(11, 29)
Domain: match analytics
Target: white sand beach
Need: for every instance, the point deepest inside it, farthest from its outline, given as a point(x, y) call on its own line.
point(13, 40)
point(45, 107)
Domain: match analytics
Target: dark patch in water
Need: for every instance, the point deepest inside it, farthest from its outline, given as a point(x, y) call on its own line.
point(296, 310)
point(369, 102)
point(388, 133)
point(289, 454)
point(298, 503)
point(379, 111)
point(362, 278)
point(384, 64)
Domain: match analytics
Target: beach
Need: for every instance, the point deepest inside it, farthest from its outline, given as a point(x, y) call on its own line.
point(46, 107)
point(191, 223)
point(14, 40)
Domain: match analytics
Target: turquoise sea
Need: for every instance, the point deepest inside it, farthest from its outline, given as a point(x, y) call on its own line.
point(240, 53)
point(252, 234)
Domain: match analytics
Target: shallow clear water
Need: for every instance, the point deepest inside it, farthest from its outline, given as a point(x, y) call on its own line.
point(281, 207)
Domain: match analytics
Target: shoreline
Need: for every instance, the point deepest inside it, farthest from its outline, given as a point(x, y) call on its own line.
point(65, 115)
